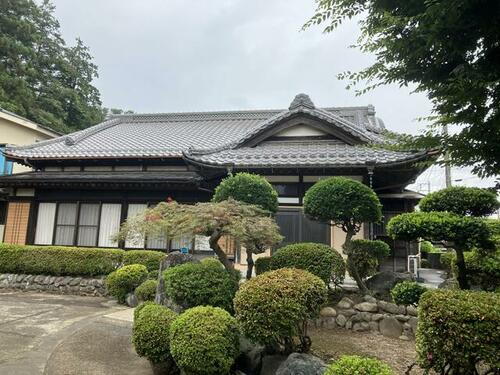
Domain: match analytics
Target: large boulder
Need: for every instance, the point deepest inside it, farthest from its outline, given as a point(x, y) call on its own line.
point(176, 258)
point(302, 364)
point(383, 282)
point(391, 327)
point(271, 363)
point(250, 359)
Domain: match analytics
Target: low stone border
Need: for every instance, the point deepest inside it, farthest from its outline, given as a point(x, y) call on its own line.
point(54, 284)
point(372, 315)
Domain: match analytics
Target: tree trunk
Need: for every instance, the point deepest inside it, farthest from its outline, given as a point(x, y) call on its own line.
point(250, 264)
point(214, 245)
point(347, 248)
point(462, 270)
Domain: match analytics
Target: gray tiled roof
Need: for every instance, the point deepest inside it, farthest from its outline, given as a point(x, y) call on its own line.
point(171, 134)
point(303, 154)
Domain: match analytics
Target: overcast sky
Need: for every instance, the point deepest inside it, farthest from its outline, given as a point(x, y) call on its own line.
point(174, 55)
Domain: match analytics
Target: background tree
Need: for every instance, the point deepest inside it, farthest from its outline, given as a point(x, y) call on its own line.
point(251, 189)
point(449, 50)
point(346, 204)
point(247, 224)
point(41, 77)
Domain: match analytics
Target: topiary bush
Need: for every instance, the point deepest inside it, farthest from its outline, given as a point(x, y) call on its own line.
point(319, 259)
point(211, 261)
point(457, 330)
point(364, 256)
point(125, 279)
point(204, 340)
point(58, 260)
point(142, 305)
point(461, 200)
point(248, 188)
point(195, 284)
point(151, 259)
point(353, 364)
point(146, 291)
point(273, 308)
point(407, 293)
point(262, 265)
point(151, 332)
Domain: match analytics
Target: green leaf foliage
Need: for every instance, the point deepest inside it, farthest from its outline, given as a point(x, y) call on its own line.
point(125, 279)
point(146, 291)
point(365, 255)
point(427, 247)
point(353, 364)
point(197, 284)
point(58, 260)
point(273, 307)
point(457, 330)
point(483, 270)
point(345, 202)
point(151, 259)
point(407, 293)
point(204, 340)
point(447, 49)
point(319, 259)
point(462, 201)
point(151, 332)
point(262, 265)
point(248, 188)
point(139, 308)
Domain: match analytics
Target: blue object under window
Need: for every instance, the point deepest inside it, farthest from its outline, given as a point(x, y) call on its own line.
point(5, 165)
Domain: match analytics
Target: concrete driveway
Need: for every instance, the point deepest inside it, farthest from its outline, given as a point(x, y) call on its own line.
point(65, 335)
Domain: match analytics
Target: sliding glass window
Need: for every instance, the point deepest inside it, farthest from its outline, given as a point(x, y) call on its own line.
point(65, 224)
point(88, 224)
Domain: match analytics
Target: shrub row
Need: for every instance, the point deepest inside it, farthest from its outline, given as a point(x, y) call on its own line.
point(71, 261)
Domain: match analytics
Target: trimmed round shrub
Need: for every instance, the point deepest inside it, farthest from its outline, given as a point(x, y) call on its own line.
point(273, 307)
point(151, 332)
point(461, 200)
point(342, 200)
point(142, 305)
point(353, 364)
point(212, 262)
point(262, 265)
point(457, 330)
point(195, 284)
point(407, 293)
point(319, 259)
point(146, 291)
point(148, 258)
point(204, 340)
point(153, 275)
point(125, 279)
point(248, 188)
point(364, 256)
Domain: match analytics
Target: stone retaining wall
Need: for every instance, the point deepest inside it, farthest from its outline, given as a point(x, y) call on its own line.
point(54, 284)
point(372, 315)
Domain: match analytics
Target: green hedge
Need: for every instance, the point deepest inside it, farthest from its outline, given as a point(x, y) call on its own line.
point(125, 279)
point(148, 258)
point(457, 330)
point(72, 261)
point(407, 293)
point(204, 340)
point(353, 364)
point(58, 260)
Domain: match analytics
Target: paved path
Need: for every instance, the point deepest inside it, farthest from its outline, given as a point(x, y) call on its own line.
point(65, 335)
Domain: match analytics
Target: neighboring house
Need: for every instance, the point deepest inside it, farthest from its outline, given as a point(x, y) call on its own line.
point(87, 183)
point(16, 131)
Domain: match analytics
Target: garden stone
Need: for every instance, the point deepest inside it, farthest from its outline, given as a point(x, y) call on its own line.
point(377, 317)
point(345, 303)
point(66, 280)
point(39, 279)
point(329, 322)
point(250, 359)
point(176, 258)
point(356, 318)
point(328, 311)
point(19, 278)
point(75, 281)
point(348, 313)
point(271, 363)
point(302, 364)
point(348, 324)
point(366, 306)
point(391, 307)
point(402, 318)
point(366, 316)
point(383, 282)
point(131, 300)
point(341, 320)
point(413, 324)
point(373, 326)
point(403, 337)
point(411, 310)
point(390, 326)
point(369, 298)
point(360, 327)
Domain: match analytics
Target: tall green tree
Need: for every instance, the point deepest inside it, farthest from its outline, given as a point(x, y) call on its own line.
point(449, 49)
point(41, 77)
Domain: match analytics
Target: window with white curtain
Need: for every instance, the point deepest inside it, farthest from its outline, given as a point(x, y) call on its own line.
point(88, 224)
point(137, 241)
point(45, 223)
point(65, 224)
point(110, 224)
point(183, 241)
point(157, 242)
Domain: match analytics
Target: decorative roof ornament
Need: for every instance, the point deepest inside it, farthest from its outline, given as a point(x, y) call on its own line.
point(301, 100)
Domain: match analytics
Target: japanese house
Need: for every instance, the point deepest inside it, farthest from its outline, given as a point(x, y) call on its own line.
point(86, 183)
